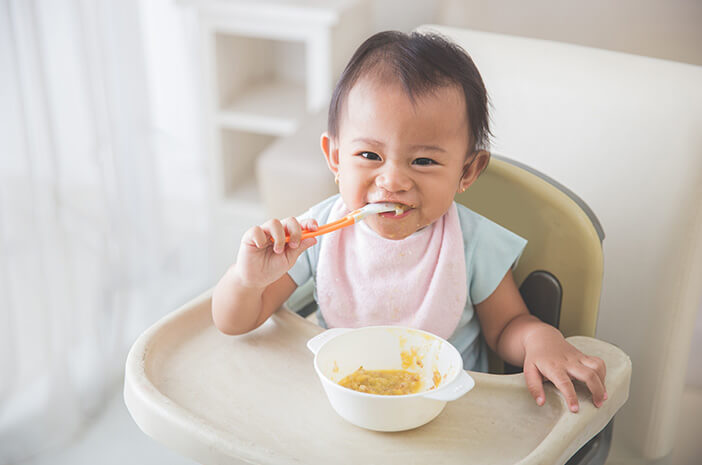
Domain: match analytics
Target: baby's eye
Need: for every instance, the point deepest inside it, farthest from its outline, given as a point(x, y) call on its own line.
point(370, 155)
point(424, 162)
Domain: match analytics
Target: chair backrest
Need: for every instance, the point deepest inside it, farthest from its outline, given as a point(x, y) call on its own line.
point(565, 237)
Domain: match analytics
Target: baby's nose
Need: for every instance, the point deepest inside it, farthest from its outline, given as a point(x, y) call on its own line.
point(393, 179)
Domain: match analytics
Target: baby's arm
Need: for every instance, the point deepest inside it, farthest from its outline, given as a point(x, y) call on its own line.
point(258, 283)
point(521, 339)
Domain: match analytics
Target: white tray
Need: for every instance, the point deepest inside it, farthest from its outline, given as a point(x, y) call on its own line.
point(256, 399)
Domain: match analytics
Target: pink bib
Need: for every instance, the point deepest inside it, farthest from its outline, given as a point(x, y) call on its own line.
point(420, 281)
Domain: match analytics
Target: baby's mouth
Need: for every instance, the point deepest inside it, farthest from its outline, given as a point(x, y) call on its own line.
point(401, 210)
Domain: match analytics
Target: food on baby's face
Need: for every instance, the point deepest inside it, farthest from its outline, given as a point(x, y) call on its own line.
point(400, 209)
point(384, 382)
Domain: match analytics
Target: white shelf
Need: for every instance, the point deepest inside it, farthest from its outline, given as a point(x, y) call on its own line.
point(273, 107)
point(268, 65)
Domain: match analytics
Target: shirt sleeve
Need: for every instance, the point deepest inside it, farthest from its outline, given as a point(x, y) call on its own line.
point(493, 251)
point(301, 271)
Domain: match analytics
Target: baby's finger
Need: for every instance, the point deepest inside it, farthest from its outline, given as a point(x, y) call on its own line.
point(307, 243)
point(292, 254)
point(309, 224)
point(276, 231)
point(294, 231)
point(256, 237)
point(563, 383)
point(597, 364)
point(535, 383)
point(591, 378)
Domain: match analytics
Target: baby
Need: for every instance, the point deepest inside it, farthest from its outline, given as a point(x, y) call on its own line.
point(408, 123)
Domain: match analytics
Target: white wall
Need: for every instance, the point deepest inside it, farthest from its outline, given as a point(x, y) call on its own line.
point(670, 29)
point(402, 15)
point(694, 366)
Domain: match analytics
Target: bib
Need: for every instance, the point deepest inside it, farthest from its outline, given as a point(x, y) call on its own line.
point(364, 279)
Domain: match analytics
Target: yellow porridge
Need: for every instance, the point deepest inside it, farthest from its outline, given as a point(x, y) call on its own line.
point(385, 382)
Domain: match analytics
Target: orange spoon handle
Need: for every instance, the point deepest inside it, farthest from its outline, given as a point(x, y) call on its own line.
point(327, 228)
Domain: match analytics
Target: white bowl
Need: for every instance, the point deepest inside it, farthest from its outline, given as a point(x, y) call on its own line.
point(341, 351)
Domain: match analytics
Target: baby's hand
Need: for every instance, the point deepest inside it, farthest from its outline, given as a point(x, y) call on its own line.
point(264, 256)
point(549, 355)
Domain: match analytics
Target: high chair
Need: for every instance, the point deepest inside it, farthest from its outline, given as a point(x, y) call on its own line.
point(256, 399)
point(560, 272)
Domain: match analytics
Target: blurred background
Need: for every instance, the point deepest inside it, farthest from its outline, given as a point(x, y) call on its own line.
point(109, 212)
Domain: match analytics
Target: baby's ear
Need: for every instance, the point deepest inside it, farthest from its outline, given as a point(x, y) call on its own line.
point(474, 165)
point(331, 152)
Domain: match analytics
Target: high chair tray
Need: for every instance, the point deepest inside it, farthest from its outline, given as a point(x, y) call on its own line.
point(256, 399)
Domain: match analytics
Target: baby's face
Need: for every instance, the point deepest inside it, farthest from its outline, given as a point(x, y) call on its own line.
point(393, 150)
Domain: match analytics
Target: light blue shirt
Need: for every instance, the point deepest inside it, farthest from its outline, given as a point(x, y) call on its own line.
point(490, 251)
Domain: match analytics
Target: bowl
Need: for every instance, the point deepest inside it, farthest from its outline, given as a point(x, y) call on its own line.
point(341, 351)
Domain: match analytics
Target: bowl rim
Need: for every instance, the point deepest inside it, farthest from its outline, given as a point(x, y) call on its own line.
point(329, 382)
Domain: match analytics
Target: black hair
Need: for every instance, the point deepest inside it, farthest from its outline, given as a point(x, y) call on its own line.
point(422, 62)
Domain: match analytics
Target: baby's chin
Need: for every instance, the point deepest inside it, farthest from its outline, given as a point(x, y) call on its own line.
point(388, 230)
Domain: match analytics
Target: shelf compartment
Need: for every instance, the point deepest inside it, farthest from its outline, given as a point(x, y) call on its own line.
point(274, 107)
point(260, 83)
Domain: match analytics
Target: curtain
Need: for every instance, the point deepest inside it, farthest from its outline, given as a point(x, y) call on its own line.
point(103, 218)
